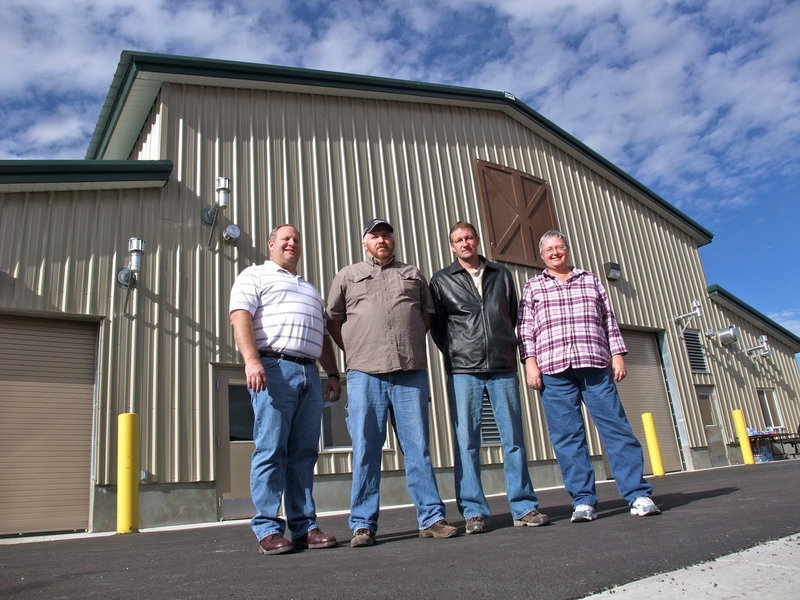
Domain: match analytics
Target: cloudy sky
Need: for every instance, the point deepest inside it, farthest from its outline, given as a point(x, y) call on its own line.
point(697, 99)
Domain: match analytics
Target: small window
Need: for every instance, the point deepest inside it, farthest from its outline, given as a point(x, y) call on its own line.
point(518, 209)
point(772, 419)
point(334, 418)
point(490, 434)
point(240, 414)
point(695, 350)
point(335, 434)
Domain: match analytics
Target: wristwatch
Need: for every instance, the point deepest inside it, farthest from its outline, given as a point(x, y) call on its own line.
point(333, 375)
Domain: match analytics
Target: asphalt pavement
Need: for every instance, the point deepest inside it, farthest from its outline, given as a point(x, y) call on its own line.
point(706, 515)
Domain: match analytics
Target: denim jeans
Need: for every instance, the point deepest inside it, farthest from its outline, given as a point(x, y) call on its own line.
point(465, 392)
point(369, 397)
point(561, 398)
point(286, 435)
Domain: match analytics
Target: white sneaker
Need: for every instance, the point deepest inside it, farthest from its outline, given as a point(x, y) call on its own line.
point(583, 512)
point(643, 506)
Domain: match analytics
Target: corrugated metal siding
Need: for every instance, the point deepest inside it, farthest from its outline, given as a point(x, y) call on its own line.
point(325, 164)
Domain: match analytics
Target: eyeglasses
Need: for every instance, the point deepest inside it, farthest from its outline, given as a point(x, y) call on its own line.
point(554, 249)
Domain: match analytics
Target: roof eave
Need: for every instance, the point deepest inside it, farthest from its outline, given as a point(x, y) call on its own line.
point(134, 65)
point(724, 297)
point(61, 175)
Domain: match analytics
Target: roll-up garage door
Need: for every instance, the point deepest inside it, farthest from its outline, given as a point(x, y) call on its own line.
point(644, 390)
point(47, 374)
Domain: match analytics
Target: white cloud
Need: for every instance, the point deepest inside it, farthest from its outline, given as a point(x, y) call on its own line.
point(790, 319)
point(698, 99)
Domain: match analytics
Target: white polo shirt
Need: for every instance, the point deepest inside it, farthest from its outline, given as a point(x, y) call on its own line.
point(288, 314)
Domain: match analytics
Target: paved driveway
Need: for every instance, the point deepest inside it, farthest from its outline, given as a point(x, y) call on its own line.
point(707, 514)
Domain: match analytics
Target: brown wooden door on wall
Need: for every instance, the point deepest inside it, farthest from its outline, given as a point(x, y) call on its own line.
point(518, 209)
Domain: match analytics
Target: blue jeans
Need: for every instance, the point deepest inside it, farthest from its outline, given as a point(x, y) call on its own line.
point(286, 435)
point(561, 397)
point(465, 391)
point(369, 397)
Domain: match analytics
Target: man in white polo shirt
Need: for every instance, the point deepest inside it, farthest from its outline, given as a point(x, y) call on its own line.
point(279, 325)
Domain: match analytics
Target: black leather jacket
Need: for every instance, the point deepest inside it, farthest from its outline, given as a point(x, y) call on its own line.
point(476, 335)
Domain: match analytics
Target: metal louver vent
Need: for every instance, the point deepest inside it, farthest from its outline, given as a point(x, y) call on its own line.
point(695, 350)
point(489, 432)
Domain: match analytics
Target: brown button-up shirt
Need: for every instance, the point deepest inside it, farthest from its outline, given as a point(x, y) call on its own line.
point(382, 308)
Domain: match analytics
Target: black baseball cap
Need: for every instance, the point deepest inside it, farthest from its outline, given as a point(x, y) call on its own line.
point(373, 223)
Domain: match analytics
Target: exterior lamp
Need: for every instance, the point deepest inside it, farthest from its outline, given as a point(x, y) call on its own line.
point(126, 276)
point(762, 349)
point(613, 271)
point(231, 233)
point(208, 215)
point(697, 312)
point(726, 337)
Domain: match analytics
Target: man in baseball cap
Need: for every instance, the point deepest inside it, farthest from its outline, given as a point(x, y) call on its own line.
point(379, 311)
point(373, 223)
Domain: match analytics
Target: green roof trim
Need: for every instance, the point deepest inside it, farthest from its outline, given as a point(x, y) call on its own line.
point(716, 292)
point(83, 171)
point(131, 63)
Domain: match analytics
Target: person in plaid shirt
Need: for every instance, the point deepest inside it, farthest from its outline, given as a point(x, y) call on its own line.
point(573, 352)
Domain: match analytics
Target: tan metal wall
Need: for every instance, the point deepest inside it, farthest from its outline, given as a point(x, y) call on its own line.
point(326, 164)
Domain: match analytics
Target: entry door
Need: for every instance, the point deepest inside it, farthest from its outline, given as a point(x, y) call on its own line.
point(644, 390)
point(234, 443)
point(715, 436)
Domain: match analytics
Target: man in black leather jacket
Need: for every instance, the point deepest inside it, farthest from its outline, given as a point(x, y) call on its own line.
point(474, 327)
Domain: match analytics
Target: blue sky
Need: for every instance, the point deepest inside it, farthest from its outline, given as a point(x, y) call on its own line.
point(698, 100)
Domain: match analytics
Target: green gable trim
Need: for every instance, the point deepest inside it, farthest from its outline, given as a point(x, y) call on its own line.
point(718, 293)
point(83, 171)
point(132, 63)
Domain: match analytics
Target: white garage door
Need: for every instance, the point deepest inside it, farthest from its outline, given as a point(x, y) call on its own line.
point(644, 390)
point(47, 373)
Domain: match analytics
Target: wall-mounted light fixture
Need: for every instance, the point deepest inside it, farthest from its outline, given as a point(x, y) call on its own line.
point(762, 349)
point(231, 233)
point(726, 337)
point(613, 271)
point(126, 276)
point(697, 312)
point(208, 215)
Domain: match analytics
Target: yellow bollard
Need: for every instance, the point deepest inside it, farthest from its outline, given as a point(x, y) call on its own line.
point(128, 473)
point(652, 444)
point(744, 439)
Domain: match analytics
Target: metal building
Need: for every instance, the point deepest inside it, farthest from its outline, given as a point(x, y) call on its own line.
point(324, 151)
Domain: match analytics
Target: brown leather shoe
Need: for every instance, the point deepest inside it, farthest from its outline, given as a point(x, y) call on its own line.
point(362, 538)
point(440, 529)
point(532, 519)
point(275, 544)
point(475, 525)
point(315, 539)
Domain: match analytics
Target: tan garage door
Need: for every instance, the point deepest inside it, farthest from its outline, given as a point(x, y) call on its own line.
point(47, 372)
point(644, 390)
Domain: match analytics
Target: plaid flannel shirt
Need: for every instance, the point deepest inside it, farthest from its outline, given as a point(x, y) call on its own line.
point(568, 324)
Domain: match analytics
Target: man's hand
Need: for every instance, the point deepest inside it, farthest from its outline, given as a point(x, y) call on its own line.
point(256, 375)
point(333, 389)
point(533, 375)
point(243, 333)
point(618, 368)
